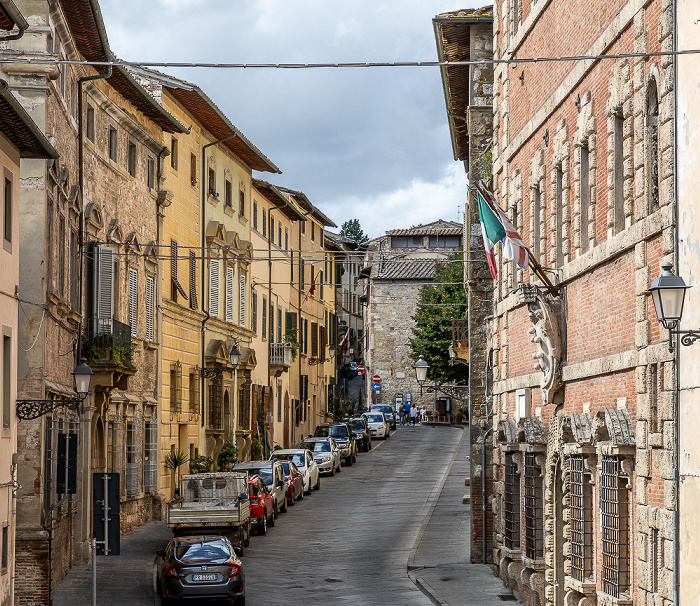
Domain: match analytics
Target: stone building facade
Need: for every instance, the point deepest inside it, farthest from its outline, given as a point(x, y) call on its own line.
point(467, 35)
point(401, 262)
point(584, 437)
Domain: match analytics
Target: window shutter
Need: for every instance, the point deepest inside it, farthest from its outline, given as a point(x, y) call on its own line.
point(264, 318)
point(288, 319)
point(104, 288)
point(241, 302)
point(272, 323)
point(314, 340)
point(133, 300)
point(322, 339)
point(280, 336)
point(214, 287)
point(193, 280)
point(229, 294)
point(254, 312)
point(320, 284)
point(173, 269)
point(150, 284)
point(301, 274)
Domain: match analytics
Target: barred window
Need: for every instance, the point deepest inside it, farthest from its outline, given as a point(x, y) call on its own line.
point(581, 495)
point(533, 507)
point(132, 461)
point(512, 503)
point(150, 456)
point(615, 527)
point(215, 399)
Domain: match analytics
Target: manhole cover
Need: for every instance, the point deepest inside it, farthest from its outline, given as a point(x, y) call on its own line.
point(507, 597)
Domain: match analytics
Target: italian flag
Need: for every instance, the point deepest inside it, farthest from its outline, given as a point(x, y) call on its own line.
point(492, 231)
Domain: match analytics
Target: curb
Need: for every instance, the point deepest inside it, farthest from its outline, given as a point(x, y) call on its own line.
point(422, 584)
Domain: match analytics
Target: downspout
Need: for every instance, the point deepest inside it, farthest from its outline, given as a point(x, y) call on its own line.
point(18, 19)
point(676, 400)
point(271, 237)
point(202, 230)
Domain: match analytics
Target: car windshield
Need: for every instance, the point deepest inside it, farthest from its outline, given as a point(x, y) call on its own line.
point(296, 458)
point(375, 418)
point(338, 431)
point(266, 475)
point(386, 409)
point(319, 447)
point(356, 424)
point(214, 551)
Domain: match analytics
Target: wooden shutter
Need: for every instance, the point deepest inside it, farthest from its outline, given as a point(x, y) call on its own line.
point(173, 270)
point(314, 340)
point(133, 300)
point(322, 339)
point(104, 288)
point(301, 274)
point(150, 288)
point(264, 318)
point(193, 280)
point(320, 284)
point(241, 302)
point(280, 336)
point(272, 322)
point(288, 327)
point(229, 293)
point(214, 270)
point(254, 312)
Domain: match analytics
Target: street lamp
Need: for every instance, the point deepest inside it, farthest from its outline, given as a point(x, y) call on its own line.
point(234, 356)
point(421, 367)
point(331, 351)
point(82, 378)
point(668, 294)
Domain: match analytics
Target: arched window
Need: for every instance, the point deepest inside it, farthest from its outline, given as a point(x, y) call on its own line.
point(652, 140)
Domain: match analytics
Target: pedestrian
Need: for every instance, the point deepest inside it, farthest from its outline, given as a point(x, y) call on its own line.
point(406, 413)
point(414, 414)
point(423, 414)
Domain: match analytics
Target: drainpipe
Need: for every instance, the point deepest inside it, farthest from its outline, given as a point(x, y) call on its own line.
point(202, 231)
point(271, 237)
point(17, 17)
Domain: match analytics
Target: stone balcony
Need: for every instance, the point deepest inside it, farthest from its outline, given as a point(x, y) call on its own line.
point(109, 352)
point(280, 358)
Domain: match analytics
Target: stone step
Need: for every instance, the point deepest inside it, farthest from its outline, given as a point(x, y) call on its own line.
point(467, 481)
point(466, 500)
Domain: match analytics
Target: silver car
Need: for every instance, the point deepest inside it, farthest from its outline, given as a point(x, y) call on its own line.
point(378, 424)
point(325, 453)
point(305, 463)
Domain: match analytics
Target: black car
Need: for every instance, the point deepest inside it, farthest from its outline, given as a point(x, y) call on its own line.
point(342, 434)
point(360, 431)
point(200, 566)
point(387, 410)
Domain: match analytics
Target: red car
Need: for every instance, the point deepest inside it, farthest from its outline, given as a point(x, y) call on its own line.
point(262, 506)
point(295, 482)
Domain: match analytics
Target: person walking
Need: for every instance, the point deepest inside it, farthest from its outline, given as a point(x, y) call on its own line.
point(406, 413)
point(414, 414)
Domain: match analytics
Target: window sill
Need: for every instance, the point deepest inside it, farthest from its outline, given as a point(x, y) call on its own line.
point(228, 211)
point(587, 588)
point(607, 600)
point(242, 219)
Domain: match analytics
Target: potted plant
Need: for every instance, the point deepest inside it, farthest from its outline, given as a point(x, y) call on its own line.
point(173, 461)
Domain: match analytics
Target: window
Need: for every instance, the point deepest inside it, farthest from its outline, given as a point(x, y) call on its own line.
point(264, 223)
point(194, 392)
point(50, 240)
point(517, 15)
point(443, 241)
point(272, 323)
point(229, 294)
point(533, 502)
point(313, 231)
point(64, 70)
point(73, 97)
point(615, 528)
point(653, 145)
point(214, 271)
point(112, 144)
point(151, 172)
point(619, 178)
point(131, 158)
point(585, 198)
point(279, 402)
point(5, 547)
point(103, 304)
point(255, 215)
point(174, 284)
point(536, 211)
point(286, 239)
point(512, 503)
point(132, 461)
point(212, 183)
point(6, 380)
point(175, 386)
point(314, 340)
point(254, 312)
point(241, 301)
point(279, 325)
point(279, 234)
point(74, 269)
point(581, 503)
point(406, 241)
point(150, 306)
point(173, 153)
point(150, 456)
point(193, 169)
point(272, 228)
point(61, 256)
point(241, 202)
point(7, 214)
point(193, 280)
point(133, 300)
point(263, 324)
point(90, 123)
point(228, 193)
point(559, 215)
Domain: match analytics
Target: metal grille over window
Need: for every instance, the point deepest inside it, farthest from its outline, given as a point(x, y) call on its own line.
point(512, 503)
point(580, 494)
point(533, 507)
point(614, 505)
point(150, 456)
point(132, 461)
point(215, 397)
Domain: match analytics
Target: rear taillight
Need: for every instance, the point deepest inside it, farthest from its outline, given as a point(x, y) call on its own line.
point(235, 569)
point(171, 571)
point(254, 501)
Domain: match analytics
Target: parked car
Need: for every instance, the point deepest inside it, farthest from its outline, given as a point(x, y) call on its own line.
point(199, 566)
point(388, 410)
point(273, 475)
point(360, 431)
point(262, 505)
point(351, 366)
point(294, 480)
point(378, 424)
point(305, 463)
point(342, 434)
point(325, 453)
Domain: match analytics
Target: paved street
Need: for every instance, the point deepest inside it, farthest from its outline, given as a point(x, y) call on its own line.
point(353, 542)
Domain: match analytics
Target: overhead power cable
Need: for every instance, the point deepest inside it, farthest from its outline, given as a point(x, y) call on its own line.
point(355, 64)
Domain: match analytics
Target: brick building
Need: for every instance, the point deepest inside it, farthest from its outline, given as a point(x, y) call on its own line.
point(583, 164)
point(401, 262)
point(467, 35)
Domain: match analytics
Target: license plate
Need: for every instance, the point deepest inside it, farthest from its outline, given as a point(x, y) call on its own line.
point(374, 433)
point(205, 577)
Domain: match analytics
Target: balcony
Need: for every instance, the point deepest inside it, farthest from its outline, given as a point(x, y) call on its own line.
point(280, 357)
point(109, 352)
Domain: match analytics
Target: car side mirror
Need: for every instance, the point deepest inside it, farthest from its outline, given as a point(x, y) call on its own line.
point(238, 550)
point(160, 553)
point(243, 496)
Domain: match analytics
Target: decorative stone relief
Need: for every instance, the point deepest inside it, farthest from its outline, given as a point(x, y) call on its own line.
point(614, 426)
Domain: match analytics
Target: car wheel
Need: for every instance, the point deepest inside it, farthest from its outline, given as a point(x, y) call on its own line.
point(239, 601)
point(318, 483)
point(247, 535)
point(285, 507)
point(241, 542)
point(290, 501)
point(262, 528)
point(275, 515)
point(301, 494)
point(332, 471)
point(348, 461)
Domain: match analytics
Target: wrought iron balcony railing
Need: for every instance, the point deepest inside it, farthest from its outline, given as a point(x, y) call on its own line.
point(108, 341)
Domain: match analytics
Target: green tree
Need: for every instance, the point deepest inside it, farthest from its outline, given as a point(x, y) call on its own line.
point(438, 305)
point(353, 231)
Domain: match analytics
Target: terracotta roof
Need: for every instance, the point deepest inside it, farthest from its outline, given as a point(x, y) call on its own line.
point(405, 269)
point(10, 16)
point(453, 37)
point(440, 228)
point(276, 197)
point(18, 127)
point(305, 204)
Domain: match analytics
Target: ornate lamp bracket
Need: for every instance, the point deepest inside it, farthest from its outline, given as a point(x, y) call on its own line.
point(33, 409)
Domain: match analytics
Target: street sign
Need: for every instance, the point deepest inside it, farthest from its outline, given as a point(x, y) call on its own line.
point(399, 399)
point(376, 388)
point(376, 379)
point(105, 512)
point(408, 397)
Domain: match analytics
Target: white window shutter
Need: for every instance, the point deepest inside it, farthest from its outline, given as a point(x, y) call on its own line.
point(104, 288)
point(241, 302)
point(150, 284)
point(133, 300)
point(229, 294)
point(214, 288)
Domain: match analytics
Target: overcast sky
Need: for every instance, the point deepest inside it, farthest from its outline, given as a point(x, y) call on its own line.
point(371, 144)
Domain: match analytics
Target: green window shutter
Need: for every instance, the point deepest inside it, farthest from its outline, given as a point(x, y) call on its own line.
point(254, 313)
point(264, 317)
point(288, 319)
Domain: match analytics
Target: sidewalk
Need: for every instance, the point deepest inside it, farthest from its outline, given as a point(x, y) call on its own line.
point(439, 562)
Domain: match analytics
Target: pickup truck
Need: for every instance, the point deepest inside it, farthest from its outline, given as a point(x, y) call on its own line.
point(212, 503)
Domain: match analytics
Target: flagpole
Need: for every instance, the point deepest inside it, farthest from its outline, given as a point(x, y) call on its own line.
point(537, 268)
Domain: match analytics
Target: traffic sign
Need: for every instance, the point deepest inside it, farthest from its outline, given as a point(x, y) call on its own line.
point(376, 379)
